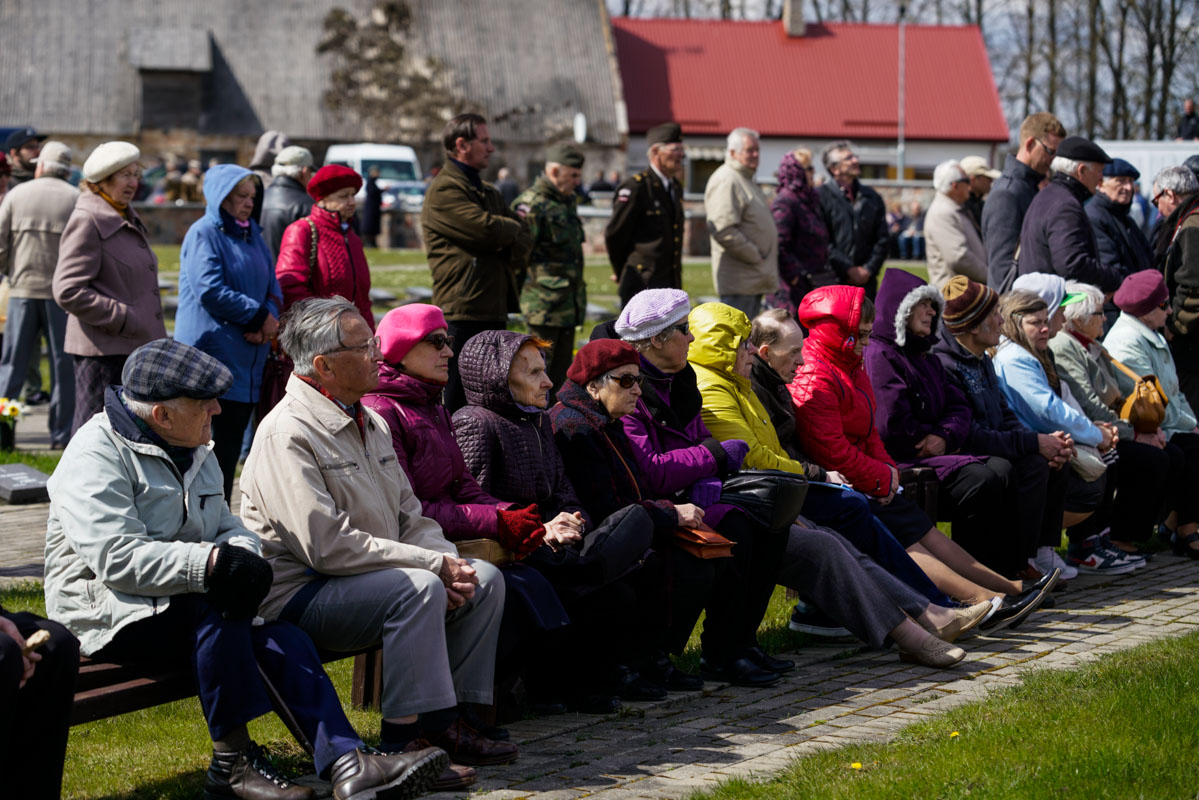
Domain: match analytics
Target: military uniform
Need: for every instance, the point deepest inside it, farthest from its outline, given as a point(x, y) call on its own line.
point(645, 235)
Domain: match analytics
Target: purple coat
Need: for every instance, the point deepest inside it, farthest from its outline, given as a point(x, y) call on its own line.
point(422, 434)
point(914, 395)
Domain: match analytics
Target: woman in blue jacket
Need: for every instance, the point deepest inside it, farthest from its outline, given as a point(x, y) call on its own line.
point(229, 301)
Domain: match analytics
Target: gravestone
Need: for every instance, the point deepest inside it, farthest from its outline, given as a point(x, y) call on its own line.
point(21, 483)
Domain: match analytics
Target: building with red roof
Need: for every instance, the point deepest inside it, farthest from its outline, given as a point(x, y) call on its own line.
point(830, 81)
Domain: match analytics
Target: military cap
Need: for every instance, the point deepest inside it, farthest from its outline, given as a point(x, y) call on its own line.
point(565, 154)
point(1119, 168)
point(1079, 148)
point(165, 369)
point(666, 133)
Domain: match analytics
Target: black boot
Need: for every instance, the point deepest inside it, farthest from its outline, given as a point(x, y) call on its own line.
point(367, 774)
point(249, 775)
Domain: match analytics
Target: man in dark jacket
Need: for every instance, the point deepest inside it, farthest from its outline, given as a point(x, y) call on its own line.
point(1188, 123)
point(972, 324)
point(1057, 237)
point(1176, 194)
point(1003, 214)
point(856, 219)
point(286, 198)
point(1121, 243)
point(644, 237)
point(473, 242)
point(23, 146)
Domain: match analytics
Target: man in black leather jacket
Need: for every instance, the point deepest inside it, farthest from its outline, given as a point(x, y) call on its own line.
point(286, 199)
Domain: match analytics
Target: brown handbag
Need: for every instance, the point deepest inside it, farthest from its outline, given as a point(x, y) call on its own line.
point(703, 542)
point(1145, 406)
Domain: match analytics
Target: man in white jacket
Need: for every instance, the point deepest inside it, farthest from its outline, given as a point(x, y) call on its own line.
point(745, 241)
point(951, 236)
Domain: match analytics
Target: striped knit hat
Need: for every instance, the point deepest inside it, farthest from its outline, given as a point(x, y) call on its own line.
point(966, 303)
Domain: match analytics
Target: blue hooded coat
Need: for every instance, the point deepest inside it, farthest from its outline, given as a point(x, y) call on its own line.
point(227, 287)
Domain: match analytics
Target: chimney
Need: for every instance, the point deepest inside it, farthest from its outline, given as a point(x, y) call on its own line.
point(793, 22)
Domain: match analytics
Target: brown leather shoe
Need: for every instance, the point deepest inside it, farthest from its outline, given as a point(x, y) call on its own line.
point(249, 775)
point(466, 745)
point(455, 776)
point(367, 774)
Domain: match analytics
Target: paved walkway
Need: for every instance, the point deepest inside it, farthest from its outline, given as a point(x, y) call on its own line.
point(837, 697)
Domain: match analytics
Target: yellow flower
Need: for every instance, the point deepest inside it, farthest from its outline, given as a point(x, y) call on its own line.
point(955, 733)
point(856, 765)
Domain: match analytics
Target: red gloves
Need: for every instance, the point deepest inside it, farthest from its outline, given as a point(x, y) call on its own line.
point(520, 529)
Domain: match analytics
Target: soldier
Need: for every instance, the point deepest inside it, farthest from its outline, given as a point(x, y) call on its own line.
point(645, 235)
point(553, 297)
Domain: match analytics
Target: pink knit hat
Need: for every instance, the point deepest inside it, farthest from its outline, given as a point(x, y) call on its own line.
point(403, 327)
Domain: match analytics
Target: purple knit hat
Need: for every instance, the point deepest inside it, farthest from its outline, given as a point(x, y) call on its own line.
point(652, 311)
point(401, 328)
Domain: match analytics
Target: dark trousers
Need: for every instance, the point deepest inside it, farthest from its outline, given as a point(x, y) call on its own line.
point(228, 432)
point(979, 500)
point(34, 720)
point(1096, 496)
point(1188, 382)
point(739, 600)
point(848, 513)
point(1145, 478)
point(222, 653)
point(27, 320)
point(562, 352)
point(462, 330)
point(1184, 477)
point(94, 374)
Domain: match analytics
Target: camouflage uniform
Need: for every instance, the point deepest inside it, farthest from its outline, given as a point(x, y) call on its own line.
point(553, 297)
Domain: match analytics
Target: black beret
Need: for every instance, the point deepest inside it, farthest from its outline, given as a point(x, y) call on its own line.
point(1192, 164)
point(165, 369)
point(1079, 148)
point(565, 154)
point(1119, 168)
point(666, 133)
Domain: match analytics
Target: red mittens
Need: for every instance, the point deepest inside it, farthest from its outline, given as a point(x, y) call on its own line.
point(520, 529)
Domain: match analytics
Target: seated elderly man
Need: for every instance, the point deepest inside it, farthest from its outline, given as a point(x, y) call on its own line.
point(952, 238)
point(356, 564)
point(144, 561)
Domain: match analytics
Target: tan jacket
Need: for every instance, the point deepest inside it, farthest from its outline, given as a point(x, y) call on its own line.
point(745, 241)
point(326, 503)
point(953, 243)
point(32, 218)
point(107, 280)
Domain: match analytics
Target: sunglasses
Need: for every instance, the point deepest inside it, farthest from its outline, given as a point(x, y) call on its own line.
point(683, 328)
point(440, 340)
point(626, 381)
point(1164, 305)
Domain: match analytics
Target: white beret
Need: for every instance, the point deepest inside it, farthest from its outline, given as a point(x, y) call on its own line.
point(107, 159)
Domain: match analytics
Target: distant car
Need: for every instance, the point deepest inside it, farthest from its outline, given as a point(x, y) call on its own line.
point(400, 177)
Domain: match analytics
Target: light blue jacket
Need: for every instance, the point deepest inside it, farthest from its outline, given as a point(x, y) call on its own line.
point(1027, 391)
point(227, 287)
point(1145, 352)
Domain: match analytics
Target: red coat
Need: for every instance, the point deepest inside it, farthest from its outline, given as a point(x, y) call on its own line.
point(834, 403)
point(341, 266)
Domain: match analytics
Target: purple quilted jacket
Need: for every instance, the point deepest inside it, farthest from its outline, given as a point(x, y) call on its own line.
point(424, 443)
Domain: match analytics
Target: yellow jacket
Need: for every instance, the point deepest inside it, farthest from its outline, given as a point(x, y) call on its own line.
point(731, 410)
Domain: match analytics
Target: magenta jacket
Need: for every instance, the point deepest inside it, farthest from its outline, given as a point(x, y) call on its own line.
point(422, 435)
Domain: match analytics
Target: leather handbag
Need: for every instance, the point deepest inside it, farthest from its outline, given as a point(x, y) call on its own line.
point(703, 542)
point(771, 497)
point(1145, 406)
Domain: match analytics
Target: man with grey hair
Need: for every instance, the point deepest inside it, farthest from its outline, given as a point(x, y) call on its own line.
point(952, 239)
point(286, 198)
point(32, 218)
point(1057, 236)
point(1176, 195)
point(856, 218)
point(745, 263)
point(355, 563)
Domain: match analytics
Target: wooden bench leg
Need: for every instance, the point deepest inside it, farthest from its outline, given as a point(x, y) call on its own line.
point(367, 691)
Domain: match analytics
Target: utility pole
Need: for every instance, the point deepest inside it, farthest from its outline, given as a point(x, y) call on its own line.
point(899, 150)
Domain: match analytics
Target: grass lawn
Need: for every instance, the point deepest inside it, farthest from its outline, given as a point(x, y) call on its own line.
point(45, 462)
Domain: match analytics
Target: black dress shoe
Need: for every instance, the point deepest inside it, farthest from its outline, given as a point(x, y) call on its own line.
point(249, 775)
point(767, 662)
point(632, 685)
point(739, 672)
point(1015, 609)
point(662, 671)
point(367, 774)
point(1049, 579)
point(598, 703)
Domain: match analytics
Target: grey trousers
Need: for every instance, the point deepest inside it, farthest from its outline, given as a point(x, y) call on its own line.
point(27, 318)
point(751, 304)
point(432, 659)
point(847, 584)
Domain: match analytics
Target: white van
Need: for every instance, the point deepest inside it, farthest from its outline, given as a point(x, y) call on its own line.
point(400, 177)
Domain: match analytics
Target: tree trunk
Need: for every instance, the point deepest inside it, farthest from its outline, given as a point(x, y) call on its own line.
point(1092, 51)
point(1030, 50)
point(1051, 56)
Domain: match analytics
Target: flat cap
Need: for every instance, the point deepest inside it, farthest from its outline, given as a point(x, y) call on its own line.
point(165, 369)
point(20, 136)
point(1119, 168)
point(977, 165)
point(666, 133)
point(294, 156)
point(565, 154)
point(1080, 148)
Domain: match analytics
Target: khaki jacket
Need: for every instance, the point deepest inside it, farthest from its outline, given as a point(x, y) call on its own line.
point(953, 243)
point(745, 241)
point(324, 502)
point(107, 280)
point(32, 218)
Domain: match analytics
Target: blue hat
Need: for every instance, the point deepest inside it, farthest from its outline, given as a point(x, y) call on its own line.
point(165, 369)
point(1119, 168)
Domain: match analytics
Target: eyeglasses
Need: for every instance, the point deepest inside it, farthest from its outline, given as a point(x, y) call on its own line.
point(440, 340)
point(370, 346)
point(1049, 151)
point(1164, 305)
point(1158, 196)
point(683, 328)
point(626, 381)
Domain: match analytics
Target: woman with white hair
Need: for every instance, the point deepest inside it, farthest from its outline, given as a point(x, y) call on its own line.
point(952, 240)
point(1141, 478)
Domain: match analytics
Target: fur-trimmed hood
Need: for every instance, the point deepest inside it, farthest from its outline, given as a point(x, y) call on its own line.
point(897, 297)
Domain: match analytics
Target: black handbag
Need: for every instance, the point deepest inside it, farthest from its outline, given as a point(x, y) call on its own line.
point(771, 497)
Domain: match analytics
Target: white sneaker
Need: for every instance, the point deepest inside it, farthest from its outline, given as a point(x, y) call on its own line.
point(1047, 558)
